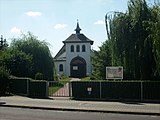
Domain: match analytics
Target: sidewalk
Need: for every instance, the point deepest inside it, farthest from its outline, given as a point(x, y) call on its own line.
point(89, 106)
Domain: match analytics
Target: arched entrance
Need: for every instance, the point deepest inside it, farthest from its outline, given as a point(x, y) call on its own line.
point(78, 67)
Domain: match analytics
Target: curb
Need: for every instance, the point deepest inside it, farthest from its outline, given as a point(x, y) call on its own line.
point(80, 110)
point(1, 103)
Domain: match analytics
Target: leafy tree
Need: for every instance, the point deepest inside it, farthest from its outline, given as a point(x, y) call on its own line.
point(4, 80)
point(154, 26)
point(135, 41)
point(101, 59)
point(3, 43)
point(42, 59)
point(18, 62)
point(39, 76)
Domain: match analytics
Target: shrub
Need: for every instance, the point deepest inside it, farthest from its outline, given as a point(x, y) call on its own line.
point(63, 77)
point(4, 80)
point(39, 76)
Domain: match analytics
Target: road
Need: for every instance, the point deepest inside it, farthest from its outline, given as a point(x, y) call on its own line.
point(7, 113)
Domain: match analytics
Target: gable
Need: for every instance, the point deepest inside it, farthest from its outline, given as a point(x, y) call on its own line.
point(61, 53)
point(78, 38)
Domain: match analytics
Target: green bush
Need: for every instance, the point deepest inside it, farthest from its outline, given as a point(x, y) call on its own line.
point(63, 77)
point(4, 80)
point(39, 76)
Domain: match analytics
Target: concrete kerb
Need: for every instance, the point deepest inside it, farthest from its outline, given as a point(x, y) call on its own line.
point(83, 106)
point(1, 103)
point(79, 110)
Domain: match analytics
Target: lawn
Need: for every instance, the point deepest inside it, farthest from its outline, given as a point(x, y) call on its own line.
point(53, 89)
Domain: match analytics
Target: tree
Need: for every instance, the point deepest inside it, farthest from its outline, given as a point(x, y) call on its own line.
point(39, 76)
point(42, 59)
point(4, 78)
point(3, 43)
point(19, 63)
point(134, 40)
point(101, 59)
point(154, 26)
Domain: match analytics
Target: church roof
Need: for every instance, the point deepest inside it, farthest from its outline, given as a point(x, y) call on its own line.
point(77, 38)
point(59, 54)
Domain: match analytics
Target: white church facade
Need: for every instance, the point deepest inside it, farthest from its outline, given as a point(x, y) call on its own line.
point(74, 58)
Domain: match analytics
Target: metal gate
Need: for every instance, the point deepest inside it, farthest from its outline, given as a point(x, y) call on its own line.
point(59, 89)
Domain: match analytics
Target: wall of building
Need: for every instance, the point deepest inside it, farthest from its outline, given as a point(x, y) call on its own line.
point(85, 55)
point(57, 64)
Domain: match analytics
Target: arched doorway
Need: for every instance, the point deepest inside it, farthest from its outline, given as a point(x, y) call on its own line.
point(78, 67)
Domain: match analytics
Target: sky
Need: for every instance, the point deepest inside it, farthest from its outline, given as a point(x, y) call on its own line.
point(55, 20)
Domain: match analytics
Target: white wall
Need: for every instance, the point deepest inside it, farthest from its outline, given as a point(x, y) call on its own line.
point(85, 55)
point(57, 63)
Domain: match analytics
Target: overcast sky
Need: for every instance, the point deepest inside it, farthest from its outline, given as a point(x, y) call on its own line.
point(55, 20)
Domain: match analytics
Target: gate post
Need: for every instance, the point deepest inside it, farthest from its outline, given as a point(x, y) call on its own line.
point(141, 90)
point(47, 89)
point(70, 89)
point(100, 91)
point(27, 87)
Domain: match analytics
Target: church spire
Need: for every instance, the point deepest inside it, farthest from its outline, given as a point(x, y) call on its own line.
point(78, 29)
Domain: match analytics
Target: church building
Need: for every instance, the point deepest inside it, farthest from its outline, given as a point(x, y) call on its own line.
point(74, 58)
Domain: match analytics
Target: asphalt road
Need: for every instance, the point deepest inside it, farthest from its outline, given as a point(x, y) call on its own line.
point(7, 113)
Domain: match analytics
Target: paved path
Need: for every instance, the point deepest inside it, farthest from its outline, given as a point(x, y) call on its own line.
point(72, 105)
point(75, 79)
point(64, 91)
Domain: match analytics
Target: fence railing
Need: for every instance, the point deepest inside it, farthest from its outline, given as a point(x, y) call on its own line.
point(39, 88)
point(59, 89)
point(28, 87)
point(116, 90)
point(102, 90)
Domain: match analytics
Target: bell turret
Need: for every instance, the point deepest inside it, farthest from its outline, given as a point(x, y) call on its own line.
point(78, 29)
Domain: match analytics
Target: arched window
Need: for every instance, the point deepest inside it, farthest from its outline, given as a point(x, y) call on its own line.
point(77, 48)
point(72, 48)
point(83, 48)
point(60, 67)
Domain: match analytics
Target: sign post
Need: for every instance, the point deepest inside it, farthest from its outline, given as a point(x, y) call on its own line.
point(114, 72)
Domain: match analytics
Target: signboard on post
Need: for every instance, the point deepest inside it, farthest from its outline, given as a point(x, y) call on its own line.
point(114, 72)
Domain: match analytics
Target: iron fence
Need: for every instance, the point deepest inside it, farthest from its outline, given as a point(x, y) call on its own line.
point(59, 89)
point(116, 90)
